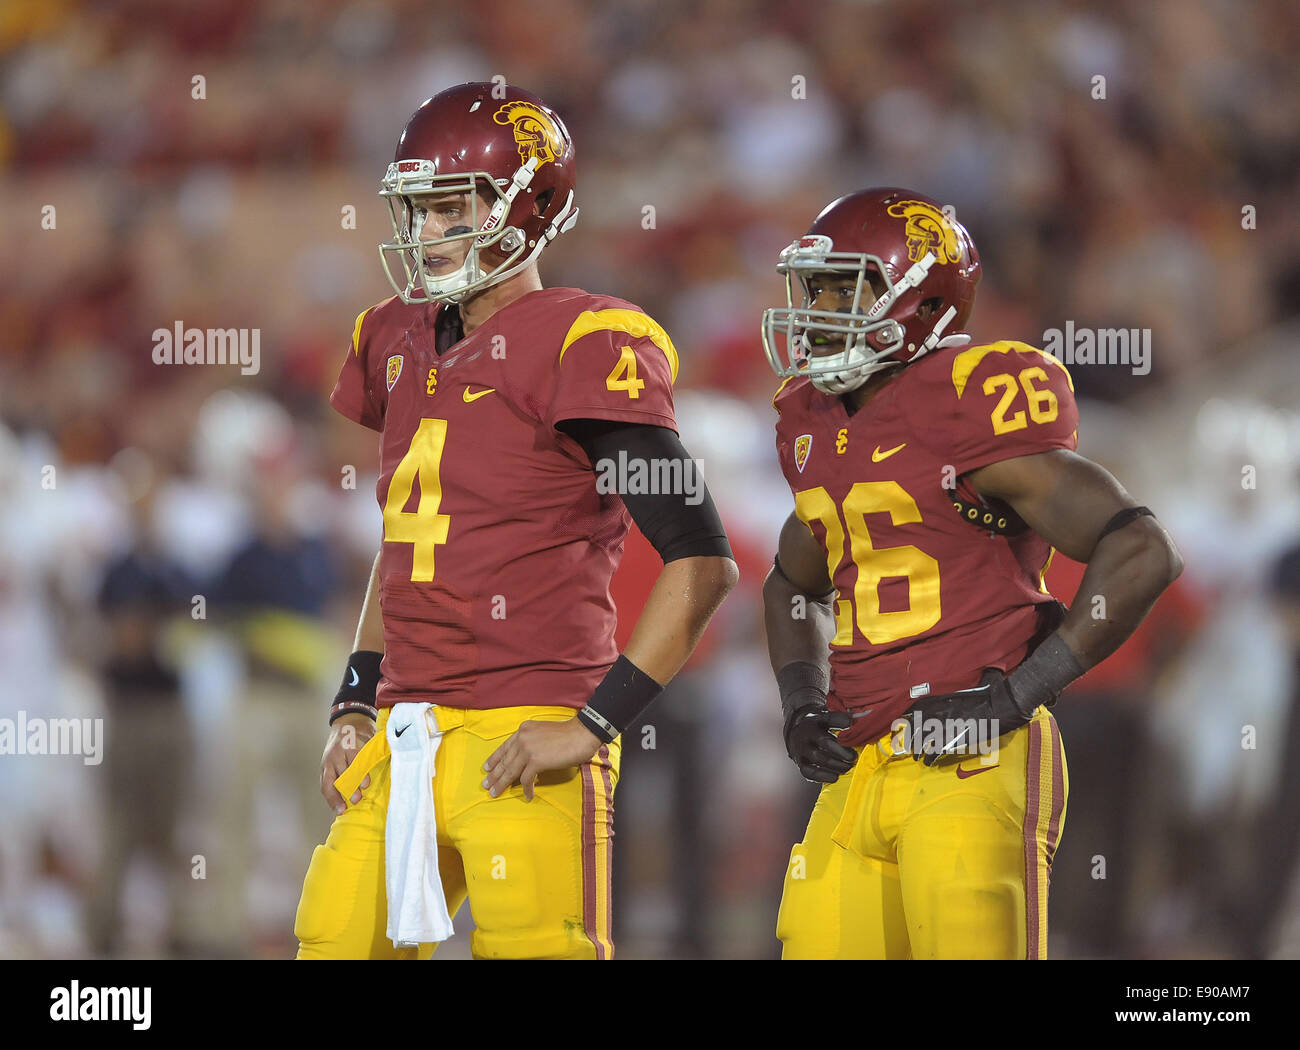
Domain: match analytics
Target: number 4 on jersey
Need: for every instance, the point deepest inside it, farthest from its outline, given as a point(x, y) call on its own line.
point(424, 528)
point(623, 377)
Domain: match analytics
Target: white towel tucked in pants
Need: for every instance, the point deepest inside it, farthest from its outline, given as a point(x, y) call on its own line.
point(417, 908)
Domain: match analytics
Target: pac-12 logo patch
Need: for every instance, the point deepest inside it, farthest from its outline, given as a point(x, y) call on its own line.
point(802, 446)
point(394, 370)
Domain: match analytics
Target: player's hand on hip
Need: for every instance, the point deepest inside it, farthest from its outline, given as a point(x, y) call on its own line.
point(348, 735)
point(967, 721)
point(534, 748)
point(811, 744)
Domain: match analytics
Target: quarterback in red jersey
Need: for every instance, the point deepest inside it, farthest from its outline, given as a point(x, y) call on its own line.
point(475, 742)
point(916, 649)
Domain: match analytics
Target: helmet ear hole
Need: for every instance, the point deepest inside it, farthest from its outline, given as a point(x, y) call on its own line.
point(543, 201)
point(929, 307)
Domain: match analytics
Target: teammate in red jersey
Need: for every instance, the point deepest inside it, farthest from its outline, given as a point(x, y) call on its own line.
point(488, 670)
point(915, 647)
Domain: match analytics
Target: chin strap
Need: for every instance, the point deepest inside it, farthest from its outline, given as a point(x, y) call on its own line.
point(563, 222)
point(936, 340)
point(564, 219)
point(468, 271)
point(523, 176)
point(911, 279)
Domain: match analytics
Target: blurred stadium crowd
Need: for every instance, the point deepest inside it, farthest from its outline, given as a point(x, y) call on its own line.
point(183, 550)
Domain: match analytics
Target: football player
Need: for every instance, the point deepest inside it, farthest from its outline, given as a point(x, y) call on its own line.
point(485, 659)
point(916, 650)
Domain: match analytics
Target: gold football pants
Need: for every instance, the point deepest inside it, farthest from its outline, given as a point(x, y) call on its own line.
point(902, 860)
point(537, 874)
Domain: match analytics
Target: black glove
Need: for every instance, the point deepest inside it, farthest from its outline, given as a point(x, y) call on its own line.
point(963, 722)
point(812, 746)
point(808, 738)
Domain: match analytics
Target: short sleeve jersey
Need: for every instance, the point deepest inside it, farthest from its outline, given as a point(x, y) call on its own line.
point(498, 546)
point(924, 599)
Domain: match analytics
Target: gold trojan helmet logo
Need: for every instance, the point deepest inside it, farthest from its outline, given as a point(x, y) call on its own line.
point(928, 230)
point(535, 133)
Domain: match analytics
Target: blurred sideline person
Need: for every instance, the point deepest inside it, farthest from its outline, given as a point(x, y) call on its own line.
point(148, 729)
point(916, 649)
point(274, 594)
point(485, 657)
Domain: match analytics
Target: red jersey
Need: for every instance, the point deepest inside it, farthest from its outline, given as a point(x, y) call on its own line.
point(498, 547)
point(925, 600)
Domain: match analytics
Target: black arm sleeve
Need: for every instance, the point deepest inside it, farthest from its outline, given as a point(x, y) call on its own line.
point(682, 523)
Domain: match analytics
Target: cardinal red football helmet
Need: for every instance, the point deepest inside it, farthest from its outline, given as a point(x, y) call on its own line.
point(916, 253)
point(498, 141)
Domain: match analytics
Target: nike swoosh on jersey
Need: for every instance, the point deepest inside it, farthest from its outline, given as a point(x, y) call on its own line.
point(877, 455)
point(962, 774)
point(404, 728)
point(475, 396)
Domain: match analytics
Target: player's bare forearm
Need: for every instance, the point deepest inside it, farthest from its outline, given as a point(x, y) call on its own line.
point(1126, 574)
point(370, 627)
point(799, 627)
point(678, 609)
point(796, 601)
point(1068, 500)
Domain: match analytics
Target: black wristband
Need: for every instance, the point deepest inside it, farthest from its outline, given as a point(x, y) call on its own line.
point(621, 698)
point(801, 683)
point(352, 707)
point(361, 678)
point(1044, 674)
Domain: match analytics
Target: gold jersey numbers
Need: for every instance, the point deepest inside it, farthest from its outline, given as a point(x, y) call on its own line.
point(1042, 404)
point(1012, 412)
point(623, 377)
point(874, 564)
point(424, 528)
